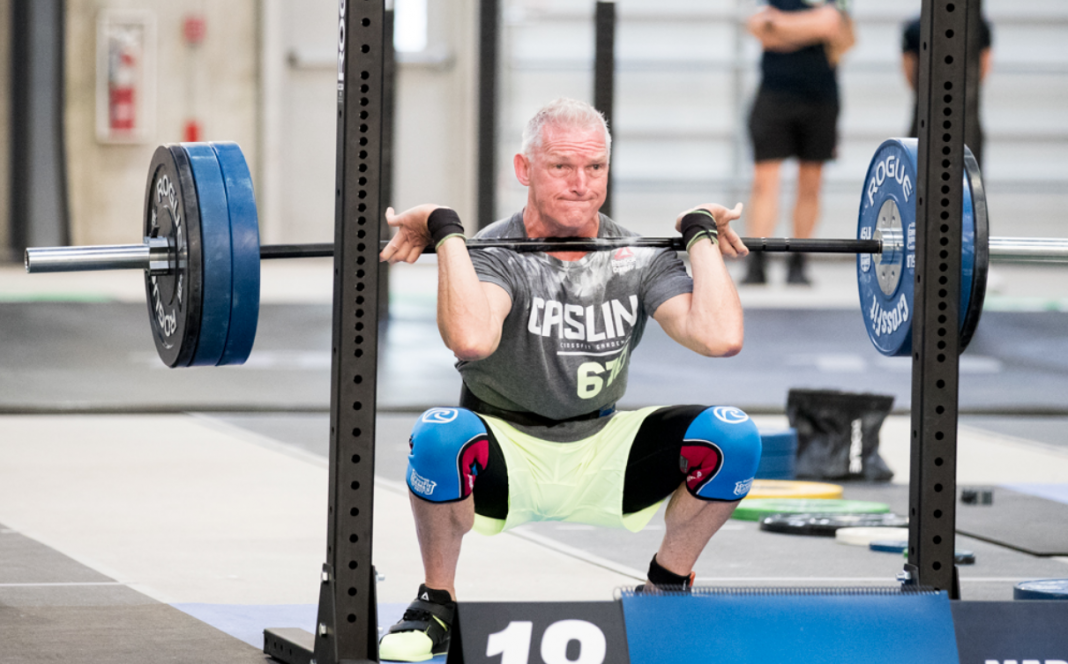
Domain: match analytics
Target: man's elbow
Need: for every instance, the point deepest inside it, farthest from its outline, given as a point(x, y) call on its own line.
point(722, 346)
point(471, 348)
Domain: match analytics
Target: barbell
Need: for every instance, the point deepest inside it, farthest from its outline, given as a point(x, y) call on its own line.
point(201, 252)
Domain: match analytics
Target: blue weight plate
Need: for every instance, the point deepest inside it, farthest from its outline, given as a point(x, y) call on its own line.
point(1041, 589)
point(977, 259)
point(245, 253)
point(776, 464)
point(761, 475)
point(960, 557)
point(780, 442)
point(889, 546)
point(891, 178)
point(215, 238)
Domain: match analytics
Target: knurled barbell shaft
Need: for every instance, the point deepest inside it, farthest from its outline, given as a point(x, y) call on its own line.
point(154, 256)
point(140, 256)
point(605, 244)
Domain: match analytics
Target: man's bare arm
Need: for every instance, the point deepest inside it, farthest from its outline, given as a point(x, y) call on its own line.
point(471, 313)
point(789, 31)
point(709, 320)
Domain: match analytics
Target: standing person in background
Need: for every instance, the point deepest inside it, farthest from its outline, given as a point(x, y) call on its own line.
point(795, 114)
point(910, 64)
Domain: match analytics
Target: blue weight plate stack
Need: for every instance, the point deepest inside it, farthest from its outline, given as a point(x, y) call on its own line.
point(778, 457)
point(245, 253)
point(1041, 589)
point(892, 176)
point(216, 253)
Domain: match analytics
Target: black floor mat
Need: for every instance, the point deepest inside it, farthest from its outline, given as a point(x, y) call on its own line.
point(1018, 521)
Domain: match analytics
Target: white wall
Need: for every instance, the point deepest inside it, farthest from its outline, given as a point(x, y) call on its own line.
point(435, 148)
point(686, 73)
point(217, 82)
point(265, 78)
point(434, 141)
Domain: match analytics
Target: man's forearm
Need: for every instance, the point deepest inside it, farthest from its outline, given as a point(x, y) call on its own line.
point(803, 28)
point(713, 325)
point(714, 294)
point(465, 318)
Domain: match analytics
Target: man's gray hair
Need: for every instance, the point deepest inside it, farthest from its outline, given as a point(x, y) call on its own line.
point(563, 113)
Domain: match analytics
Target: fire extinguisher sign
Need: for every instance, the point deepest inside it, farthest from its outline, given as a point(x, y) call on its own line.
point(125, 94)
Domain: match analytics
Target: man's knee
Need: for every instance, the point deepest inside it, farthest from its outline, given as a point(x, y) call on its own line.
point(809, 180)
point(720, 454)
point(449, 448)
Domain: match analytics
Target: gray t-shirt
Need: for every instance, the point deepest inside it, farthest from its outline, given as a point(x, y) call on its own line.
point(565, 347)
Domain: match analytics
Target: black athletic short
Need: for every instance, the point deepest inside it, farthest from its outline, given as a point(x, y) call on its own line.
point(653, 465)
point(782, 125)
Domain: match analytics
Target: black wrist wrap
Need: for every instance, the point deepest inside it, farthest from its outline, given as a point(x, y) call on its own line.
point(697, 224)
point(443, 223)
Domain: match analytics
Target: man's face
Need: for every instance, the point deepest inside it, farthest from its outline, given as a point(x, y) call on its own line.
point(567, 178)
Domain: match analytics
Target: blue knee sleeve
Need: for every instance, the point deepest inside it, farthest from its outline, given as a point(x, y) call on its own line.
point(449, 447)
point(720, 454)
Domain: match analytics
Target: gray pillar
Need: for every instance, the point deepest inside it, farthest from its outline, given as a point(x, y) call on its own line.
point(38, 160)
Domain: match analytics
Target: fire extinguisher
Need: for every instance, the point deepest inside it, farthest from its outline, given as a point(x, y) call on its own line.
point(122, 85)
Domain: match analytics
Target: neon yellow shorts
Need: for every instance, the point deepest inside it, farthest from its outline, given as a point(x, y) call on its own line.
point(580, 482)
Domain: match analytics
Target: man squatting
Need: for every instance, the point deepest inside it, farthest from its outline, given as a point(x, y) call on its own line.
point(543, 343)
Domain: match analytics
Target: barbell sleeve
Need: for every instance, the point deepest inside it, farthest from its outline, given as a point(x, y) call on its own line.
point(1029, 249)
point(154, 255)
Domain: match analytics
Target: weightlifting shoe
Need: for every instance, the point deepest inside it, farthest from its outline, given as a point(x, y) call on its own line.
point(795, 271)
point(754, 273)
point(424, 630)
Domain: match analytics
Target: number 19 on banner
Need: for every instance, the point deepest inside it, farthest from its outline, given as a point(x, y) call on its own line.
point(513, 643)
point(539, 633)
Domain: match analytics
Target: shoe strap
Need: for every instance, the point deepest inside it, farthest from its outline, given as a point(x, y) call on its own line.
point(443, 612)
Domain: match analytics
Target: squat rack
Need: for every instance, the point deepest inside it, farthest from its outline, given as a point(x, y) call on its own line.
point(346, 627)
